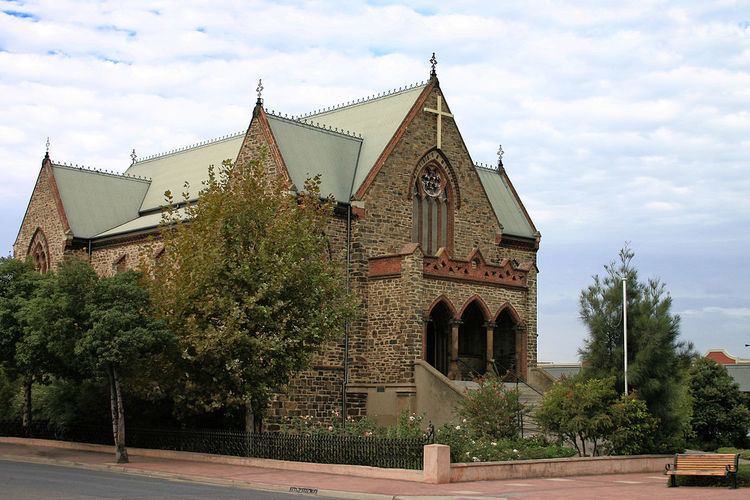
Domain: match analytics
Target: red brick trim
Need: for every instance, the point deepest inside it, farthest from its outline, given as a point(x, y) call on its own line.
point(482, 304)
point(274, 146)
point(415, 109)
point(388, 266)
point(359, 212)
point(445, 300)
point(436, 157)
point(513, 314)
point(56, 195)
point(475, 269)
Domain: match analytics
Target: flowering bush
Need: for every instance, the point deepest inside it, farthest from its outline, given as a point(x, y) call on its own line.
point(465, 448)
point(491, 411)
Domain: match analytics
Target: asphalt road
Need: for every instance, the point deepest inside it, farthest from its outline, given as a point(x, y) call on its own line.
point(21, 480)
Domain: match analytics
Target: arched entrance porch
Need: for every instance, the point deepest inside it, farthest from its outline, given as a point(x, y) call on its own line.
point(437, 348)
point(509, 345)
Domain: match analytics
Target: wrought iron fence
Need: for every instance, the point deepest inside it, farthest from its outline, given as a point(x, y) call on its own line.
point(323, 448)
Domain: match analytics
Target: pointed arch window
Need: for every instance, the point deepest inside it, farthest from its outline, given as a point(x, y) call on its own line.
point(432, 210)
point(39, 251)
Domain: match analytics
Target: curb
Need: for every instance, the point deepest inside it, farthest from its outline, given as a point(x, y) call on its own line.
point(277, 488)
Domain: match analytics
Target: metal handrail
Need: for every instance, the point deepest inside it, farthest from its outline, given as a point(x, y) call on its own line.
point(516, 378)
point(474, 373)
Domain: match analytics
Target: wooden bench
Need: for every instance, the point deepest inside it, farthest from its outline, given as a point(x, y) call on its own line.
point(711, 464)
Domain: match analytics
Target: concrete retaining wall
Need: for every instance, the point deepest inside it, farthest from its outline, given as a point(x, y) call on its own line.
point(559, 467)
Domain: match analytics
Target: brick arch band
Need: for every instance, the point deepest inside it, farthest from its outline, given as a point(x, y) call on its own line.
point(436, 157)
point(434, 196)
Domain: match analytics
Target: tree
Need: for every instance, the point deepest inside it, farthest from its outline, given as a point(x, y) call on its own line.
point(123, 335)
point(657, 359)
point(578, 411)
point(247, 283)
point(720, 415)
point(23, 352)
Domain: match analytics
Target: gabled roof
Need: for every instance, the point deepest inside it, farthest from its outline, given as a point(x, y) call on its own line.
point(375, 119)
point(344, 144)
point(170, 171)
point(505, 203)
point(95, 201)
point(308, 151)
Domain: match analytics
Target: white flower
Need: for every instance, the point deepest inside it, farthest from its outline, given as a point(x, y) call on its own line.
point(411, 418)
point(464, 421)
point(475, 459)
point(458, 427)
point(493, 443)
point(515, 450)
point(330, 427)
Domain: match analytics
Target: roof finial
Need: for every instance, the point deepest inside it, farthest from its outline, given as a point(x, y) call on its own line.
point(133, 157)
point(259, 90)
point(46, 151)
point(500, 154)
point(433, 63)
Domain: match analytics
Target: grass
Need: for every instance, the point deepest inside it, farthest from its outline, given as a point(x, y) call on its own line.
point(744, 454)
point(743, 479)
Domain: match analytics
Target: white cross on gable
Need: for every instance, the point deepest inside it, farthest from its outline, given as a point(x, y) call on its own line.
point(440, 114)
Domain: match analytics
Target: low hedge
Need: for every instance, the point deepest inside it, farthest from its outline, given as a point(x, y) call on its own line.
point(743, 479)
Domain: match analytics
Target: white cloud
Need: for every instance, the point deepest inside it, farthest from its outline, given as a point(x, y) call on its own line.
point(620, 120)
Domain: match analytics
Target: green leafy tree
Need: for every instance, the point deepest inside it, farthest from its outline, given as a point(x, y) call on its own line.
point(122, 337)
point(577, 411)
point(657, 359)
point(633, 427)
point(23, 352)
point(491, 411)
point(247, 282)
point(720, 414)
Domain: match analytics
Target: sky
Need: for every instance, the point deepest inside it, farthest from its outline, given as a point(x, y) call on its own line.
point(621, 121)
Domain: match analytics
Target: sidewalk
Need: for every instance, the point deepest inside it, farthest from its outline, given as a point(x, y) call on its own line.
point(582, 488)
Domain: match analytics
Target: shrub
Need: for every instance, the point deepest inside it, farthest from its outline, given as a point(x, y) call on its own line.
point(633, 427)
point(577, 411)
point(743, 479)
point(720, 416)
point(464, 448)
point(491, 411)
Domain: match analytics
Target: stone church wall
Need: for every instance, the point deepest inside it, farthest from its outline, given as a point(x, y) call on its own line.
point(43, 212)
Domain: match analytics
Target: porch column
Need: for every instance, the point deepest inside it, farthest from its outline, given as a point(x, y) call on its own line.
point(521, 354)
point(426, 320)
point(490, 347)
point(454, 373)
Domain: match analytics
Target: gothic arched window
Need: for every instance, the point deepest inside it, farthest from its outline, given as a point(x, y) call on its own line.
point(39, 251)
point(41, 261)
point(432, 210)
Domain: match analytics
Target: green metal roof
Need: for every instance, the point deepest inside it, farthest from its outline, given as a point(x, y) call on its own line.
point(95, 201)
point(309, 151)
point(170, 171)
point(376, 120)
point(343, 157)
point(505, 204)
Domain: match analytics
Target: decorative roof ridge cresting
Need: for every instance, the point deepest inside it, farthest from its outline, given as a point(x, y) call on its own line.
point(93, 170)
point(364, 100)
point(199, 144)
point(315, 125)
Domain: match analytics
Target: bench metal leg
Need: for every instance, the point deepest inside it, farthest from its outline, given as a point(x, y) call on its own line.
point(672, 481)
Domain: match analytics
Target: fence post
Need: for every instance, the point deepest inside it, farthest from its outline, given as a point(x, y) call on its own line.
point(437, 464)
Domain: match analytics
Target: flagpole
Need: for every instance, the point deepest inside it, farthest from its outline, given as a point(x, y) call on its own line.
point(625, 330)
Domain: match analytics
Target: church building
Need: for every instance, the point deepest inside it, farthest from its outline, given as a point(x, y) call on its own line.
point(439, 250)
